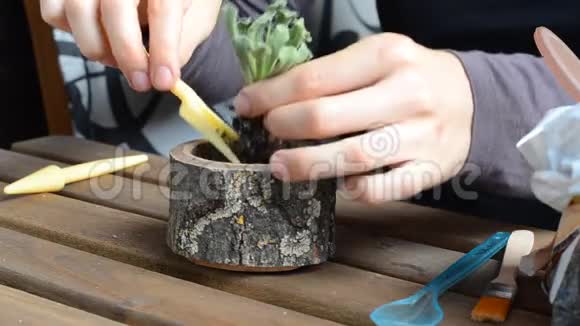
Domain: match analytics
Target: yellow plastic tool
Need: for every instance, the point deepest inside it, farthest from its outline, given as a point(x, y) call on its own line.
point(195, 112)
point(53, 178)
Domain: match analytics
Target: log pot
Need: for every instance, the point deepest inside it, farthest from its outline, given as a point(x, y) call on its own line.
point(239, 217)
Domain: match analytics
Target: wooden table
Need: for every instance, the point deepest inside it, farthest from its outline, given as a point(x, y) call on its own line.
point(95, 253)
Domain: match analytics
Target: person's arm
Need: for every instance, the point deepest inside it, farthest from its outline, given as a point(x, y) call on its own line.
point(426, 114)
point(213, 71)
point(112, 33)
point(511, 94)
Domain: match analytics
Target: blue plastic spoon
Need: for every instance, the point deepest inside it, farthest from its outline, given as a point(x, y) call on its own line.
point(422, 308)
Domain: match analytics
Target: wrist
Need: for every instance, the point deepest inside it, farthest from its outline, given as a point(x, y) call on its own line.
point(457, 94)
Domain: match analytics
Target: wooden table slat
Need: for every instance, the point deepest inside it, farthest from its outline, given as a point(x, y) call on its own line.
point(360, 243)
point(69, 149)
point(126, 293)
point(21, 308)
point(126, 194)
point(420, 263)
point(330, 291)
point(425, 225)
point(430, 226)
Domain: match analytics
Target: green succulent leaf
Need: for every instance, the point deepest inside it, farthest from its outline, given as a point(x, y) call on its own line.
point(286, 57)
point(279, 37)
point(230, 14)
point(245, 52)
point(269, 44)
point(263, 56)
point(304, 54)
point(299, 34)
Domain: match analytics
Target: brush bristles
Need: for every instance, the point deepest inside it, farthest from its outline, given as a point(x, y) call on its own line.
point(491, 309)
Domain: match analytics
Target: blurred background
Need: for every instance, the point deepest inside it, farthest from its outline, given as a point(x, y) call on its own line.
point(21, 107)
point(48, 88)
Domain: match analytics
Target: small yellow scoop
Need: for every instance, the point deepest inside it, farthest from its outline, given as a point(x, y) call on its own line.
point(53, 178)
point(195, 112)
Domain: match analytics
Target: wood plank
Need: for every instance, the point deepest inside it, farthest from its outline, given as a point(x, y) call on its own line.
point(400, 220)
point(126, 293)
point(369, 249)
point(54, 96)
point(109, 190)
point(74, 150)
point(428, 225)
point(359, 244)
point(330, 291)
point(21, 308)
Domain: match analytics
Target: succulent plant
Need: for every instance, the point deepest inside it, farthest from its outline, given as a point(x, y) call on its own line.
point(269, 44)
point(266, 46)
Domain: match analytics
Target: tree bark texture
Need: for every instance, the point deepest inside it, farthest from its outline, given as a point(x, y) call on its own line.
point(239, 217)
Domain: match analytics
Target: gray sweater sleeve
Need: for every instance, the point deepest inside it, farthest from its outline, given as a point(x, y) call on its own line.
point(511, 93)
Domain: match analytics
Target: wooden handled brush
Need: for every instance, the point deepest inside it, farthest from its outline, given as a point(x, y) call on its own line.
point(495, 302)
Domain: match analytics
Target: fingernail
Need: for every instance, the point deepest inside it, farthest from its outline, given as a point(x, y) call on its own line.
point(279, 170)
point(140, 81)
point(163, 78)
point(242, 104)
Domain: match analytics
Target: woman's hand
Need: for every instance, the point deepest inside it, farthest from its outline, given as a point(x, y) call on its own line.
point(109, 31)
point(410, 106)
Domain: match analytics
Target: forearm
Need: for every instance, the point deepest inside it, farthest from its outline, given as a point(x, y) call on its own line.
point(511, 94)
point(213, 70)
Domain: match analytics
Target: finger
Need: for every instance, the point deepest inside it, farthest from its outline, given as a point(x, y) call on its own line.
point(357, 66)
point(165, 22)
point(398, 184)
point(53, 13)
point(390, 101)
point(199, 13)
point(83, 18)
point(355, 155)
point(121, 22)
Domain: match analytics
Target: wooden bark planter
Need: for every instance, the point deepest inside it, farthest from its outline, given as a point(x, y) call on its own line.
point(239, 217)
